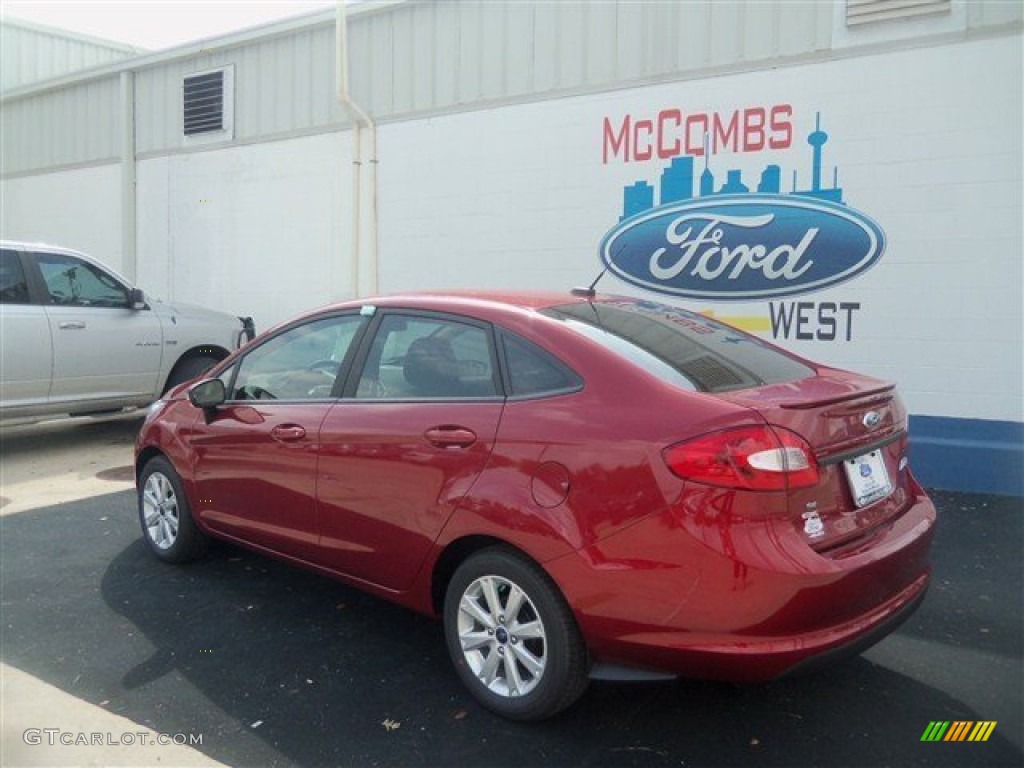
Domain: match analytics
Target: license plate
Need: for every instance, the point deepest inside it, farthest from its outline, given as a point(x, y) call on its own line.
point(869, 479)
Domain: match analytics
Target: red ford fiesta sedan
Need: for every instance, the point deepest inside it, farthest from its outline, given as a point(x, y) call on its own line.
point(579, 486)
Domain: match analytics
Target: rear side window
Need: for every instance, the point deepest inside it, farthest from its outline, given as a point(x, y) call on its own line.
point(13, 286)
point(533, 372)
point(414, 358)
point(681, 347)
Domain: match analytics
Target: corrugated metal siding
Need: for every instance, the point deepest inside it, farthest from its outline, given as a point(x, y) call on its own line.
point(422, 57)
point(425, 57)
point(873, 11)
point(30, 55)
point(419, 58)
point(77, 124)
point(283, 84)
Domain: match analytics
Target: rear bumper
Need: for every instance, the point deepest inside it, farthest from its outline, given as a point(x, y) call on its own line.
point(701, 613)
point(901, 609)
point(760, 659)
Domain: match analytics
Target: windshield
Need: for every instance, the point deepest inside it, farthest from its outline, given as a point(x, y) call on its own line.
point(680, 347)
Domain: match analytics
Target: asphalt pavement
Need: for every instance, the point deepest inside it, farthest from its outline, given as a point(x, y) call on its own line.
point(270, 665)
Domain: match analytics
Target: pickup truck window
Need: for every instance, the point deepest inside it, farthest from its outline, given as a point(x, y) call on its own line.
point(13, 286)
point(71, 281)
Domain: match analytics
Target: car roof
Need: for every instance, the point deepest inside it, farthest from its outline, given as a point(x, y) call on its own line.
point(461, 300)
point(483, 304)
point(30, 247)
point(27, 245)
point(471, 298)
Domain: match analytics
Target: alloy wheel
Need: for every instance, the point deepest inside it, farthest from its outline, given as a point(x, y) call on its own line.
point(502, 637)
point(160, 511)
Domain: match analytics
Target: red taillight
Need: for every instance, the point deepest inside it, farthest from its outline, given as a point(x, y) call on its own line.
point(749, 458)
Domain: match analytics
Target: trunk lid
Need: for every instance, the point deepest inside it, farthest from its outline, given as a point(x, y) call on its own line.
point(857, 428)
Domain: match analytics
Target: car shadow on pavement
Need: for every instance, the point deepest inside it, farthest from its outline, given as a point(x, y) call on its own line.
point(274, 665)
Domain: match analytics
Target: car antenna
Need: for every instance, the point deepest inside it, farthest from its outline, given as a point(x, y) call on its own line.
point(588, 292)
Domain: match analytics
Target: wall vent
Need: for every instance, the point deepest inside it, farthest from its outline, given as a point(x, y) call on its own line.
point(869, 11)
point(207, 103)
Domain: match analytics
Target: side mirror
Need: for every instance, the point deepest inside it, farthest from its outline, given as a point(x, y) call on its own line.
point(208, 394)
point(136, 299)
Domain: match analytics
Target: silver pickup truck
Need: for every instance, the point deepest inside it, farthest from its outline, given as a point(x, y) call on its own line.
point(77, 338)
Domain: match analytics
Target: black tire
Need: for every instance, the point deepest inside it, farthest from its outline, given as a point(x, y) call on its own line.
point(498, 652)
point(190, 368)
point(165, 515)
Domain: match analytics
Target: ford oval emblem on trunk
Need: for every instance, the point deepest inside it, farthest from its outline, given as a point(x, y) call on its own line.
point(872, 419)
point(743, 247)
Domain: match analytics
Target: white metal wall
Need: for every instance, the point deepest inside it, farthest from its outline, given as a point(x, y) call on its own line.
point(75, 208)
point(927, 143)
point(253, 230)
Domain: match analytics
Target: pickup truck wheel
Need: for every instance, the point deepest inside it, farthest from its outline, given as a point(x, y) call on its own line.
point(189, 368)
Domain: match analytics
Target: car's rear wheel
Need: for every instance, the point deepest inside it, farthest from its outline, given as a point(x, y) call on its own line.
point(165, 515)
point(512, 637)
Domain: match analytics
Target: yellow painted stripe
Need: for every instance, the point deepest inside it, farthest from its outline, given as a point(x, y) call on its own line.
point(989, 727)
point(750, 323)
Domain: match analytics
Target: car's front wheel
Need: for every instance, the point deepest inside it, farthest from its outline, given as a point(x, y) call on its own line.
point(165, 515)
point(512, 637)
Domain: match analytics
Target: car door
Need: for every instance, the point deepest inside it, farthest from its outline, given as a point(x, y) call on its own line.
point(256, 455)
point(26, 354)
point(402, 449)
point(103, 349)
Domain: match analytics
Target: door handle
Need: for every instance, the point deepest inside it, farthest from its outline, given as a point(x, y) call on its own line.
point(72, 325)
point(450, 437)
point(287, 433)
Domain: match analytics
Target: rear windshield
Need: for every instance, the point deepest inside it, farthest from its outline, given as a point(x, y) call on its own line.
point(682, 348)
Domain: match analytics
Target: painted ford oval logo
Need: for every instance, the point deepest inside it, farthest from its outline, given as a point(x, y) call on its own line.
point(743, 247)
point(872, 419)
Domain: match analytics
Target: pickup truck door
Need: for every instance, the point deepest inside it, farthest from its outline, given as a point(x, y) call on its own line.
point(102, 348)
point(26, 352)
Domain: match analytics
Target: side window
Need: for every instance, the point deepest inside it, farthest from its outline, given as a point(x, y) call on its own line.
point(13, 286)
point(532, 371)
point(300, 364)
point(415, 357)
point(74, 282)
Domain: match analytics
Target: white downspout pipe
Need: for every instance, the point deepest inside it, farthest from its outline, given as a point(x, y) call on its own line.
point(129, 250)
point(360, 119)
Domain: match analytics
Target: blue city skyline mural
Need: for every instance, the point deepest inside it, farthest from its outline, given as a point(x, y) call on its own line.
point(679, 181)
